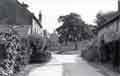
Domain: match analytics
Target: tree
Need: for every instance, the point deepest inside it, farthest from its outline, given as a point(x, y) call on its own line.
point(73, 28)
point(101, 18)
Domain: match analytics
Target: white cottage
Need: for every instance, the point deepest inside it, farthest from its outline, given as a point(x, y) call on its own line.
point(36, 27)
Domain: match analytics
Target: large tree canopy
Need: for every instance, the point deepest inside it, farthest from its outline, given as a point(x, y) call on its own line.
point(73, 28)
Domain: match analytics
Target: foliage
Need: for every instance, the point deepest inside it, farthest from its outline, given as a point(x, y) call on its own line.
point(38, 55)
point(35, 42)
point(91, 52)
point(73, 28)
point(16, 54)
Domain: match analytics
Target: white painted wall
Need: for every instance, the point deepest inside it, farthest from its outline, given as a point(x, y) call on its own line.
point(35, 29)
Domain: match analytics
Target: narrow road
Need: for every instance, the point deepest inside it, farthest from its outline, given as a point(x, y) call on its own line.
point(63, 65)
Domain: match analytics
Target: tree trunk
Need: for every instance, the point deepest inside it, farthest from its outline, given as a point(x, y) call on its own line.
point(66, 43)
point(75, 45)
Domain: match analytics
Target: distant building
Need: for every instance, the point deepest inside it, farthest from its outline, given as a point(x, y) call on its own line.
point(54, 41)
point(92, 27)
point(54, 37)
point(16, 15)
point(110, 30)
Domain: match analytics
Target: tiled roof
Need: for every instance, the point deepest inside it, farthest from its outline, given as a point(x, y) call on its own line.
point(33, 16)
point(110, 20)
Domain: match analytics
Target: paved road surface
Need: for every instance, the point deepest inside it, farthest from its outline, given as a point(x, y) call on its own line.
point(64, 65)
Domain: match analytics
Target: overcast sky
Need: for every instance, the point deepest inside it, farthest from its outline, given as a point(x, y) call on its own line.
point(52, 9)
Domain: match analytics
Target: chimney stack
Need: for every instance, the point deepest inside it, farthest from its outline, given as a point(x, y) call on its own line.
point(118, 5)
point(40, 16)
point(24, 5)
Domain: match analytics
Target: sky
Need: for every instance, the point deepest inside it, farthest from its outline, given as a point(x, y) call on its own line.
point(52, 9)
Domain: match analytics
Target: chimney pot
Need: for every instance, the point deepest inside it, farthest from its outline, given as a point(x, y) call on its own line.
point(118, 5)
point(25, 5)
point(40, 16)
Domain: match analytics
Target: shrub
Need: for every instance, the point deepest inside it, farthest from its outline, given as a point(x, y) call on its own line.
point(35, 42)
point(91, 52)
point(16, 53)
point(38, 55)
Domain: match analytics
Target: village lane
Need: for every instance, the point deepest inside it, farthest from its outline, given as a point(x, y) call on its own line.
point(62, 65)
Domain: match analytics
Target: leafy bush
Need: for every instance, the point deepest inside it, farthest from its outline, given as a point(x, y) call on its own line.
point(91, 52)
point(35, 42)
point(16, 53)
point(38, 55)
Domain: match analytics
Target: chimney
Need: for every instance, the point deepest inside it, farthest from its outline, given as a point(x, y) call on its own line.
point(40, 16)
point(118, 5)
point(24, 5)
